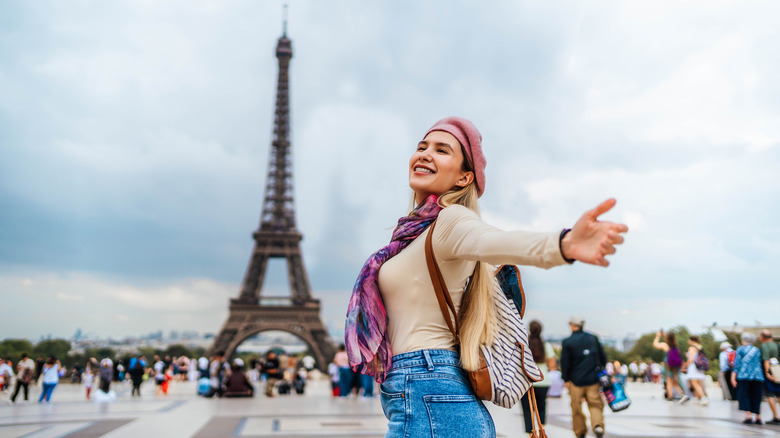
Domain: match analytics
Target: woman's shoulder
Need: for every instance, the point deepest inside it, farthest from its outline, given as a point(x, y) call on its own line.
point(456, 211)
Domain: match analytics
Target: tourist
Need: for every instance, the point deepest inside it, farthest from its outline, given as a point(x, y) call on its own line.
point(544, 356)
point(748, 377)
point(217, 368)
point(346, 375)
point(581, 356)
point(159, 375)
point(6, 374)
point(673, 360)
point(106, 373)
point(51, 377)
point(726, 365)
point(137, 368)
point(394, 311)
point(770, 355)
point(273, 372)
point(693, 375)
point(333, 372)
point(236, 382)
point(87, 379)
point(25, 372)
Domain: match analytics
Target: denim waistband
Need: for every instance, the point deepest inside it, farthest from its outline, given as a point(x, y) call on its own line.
point(427, 358)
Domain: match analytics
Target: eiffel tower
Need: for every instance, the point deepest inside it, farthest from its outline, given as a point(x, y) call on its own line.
point(277, 237)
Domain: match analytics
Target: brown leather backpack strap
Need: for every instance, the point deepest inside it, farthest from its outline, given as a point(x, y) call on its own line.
point(442, 295)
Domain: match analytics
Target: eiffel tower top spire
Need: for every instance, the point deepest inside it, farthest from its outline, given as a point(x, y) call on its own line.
point(278, 209)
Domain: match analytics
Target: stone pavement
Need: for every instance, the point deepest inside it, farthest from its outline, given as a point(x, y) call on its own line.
point(317, 414)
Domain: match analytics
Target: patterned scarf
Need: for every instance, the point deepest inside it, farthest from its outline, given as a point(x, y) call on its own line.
point(368, 348)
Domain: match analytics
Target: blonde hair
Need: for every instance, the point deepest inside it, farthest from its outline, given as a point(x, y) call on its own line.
point(477, 312)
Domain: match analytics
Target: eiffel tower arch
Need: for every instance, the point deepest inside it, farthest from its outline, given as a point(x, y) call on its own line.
point(277, 237)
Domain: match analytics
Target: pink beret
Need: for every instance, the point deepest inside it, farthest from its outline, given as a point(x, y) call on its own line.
point(471, 140)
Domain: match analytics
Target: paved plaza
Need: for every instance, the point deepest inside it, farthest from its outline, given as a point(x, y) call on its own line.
point(317, 414)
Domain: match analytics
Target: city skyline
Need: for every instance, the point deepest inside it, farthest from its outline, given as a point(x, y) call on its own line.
point(135, 141)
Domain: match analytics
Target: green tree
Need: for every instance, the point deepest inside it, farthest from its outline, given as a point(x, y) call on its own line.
point(58, 348)
point(13, 348)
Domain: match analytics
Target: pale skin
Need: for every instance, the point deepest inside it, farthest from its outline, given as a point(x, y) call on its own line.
point(698, 390)
point(437, 166)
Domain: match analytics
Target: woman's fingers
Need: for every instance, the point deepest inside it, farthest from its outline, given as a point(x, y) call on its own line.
point(600, 209)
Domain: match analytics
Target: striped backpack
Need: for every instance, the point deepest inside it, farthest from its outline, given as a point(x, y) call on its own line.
point(507, 368)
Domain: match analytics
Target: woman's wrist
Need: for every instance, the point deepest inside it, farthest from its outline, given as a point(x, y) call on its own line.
point(564, 245)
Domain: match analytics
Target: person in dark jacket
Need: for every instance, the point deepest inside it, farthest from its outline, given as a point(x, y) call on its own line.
point(581, 357)
point(236, 382)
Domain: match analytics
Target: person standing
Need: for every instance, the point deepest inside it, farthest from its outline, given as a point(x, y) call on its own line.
point(674, 362)
point(544, 356)
point(769, 355)
point(159, 375)
point(694, 376)
point(748, 377)
point(581, 356)
point(87, 380)
point(395, 329)
point(51, 377)
point(346, 375)
point(137, 368)
point(25, 372)
point(106, 374)
point(726, 364)
point(273, 372)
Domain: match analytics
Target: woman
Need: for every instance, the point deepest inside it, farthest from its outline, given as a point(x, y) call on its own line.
point(544, 356)
point(748, 377)
point(51, 377)
point(395, 330)
point(694, 375)
point(673, 360)
point(236, 382)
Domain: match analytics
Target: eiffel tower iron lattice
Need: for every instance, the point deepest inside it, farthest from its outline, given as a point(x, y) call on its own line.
point(277, 237)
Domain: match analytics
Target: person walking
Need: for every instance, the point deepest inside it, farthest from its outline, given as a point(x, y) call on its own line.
point(136, 370)
point(581, 356)
point(544, 356)
point(346, 375)
point(673, 360)
point(51, 377)
point(748, 377)
point(395, 330)
point(106, 374)
point(769, 356)
point(694, 375)
point(273, 372)
point(25, 372)
point(726, 365)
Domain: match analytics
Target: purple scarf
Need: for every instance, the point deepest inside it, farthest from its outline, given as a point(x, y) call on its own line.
point(367, 346)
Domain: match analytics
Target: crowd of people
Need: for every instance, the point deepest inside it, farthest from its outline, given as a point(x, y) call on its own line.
point(216, 376)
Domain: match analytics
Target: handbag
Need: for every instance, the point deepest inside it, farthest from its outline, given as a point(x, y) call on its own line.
point(507, 369)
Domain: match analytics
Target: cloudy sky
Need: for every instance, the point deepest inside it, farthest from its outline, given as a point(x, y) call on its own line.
point(134, 143)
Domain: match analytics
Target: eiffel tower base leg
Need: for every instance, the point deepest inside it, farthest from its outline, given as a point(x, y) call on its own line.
point(302, 320)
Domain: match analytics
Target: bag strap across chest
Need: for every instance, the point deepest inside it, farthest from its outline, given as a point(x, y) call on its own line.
point(442, 295)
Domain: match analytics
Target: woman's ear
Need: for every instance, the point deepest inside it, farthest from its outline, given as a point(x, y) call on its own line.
point(465, 179)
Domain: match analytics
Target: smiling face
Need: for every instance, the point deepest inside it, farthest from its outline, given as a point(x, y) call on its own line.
point(437, 166)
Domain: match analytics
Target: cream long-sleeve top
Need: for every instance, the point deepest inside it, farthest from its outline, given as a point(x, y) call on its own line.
point(460, 239)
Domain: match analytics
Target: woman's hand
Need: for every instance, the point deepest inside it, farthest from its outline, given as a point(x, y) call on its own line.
point(590, 240)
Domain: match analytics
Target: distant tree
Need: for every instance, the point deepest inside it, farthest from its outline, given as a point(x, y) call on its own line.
point(13, 348)
point(177, 350)
point(614, 355)
point(643, 349)
point(52, 347)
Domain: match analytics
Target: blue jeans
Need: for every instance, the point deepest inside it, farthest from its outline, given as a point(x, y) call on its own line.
point(48, 388)
point(367, 382)
point(346, 381)
point(427, 394)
